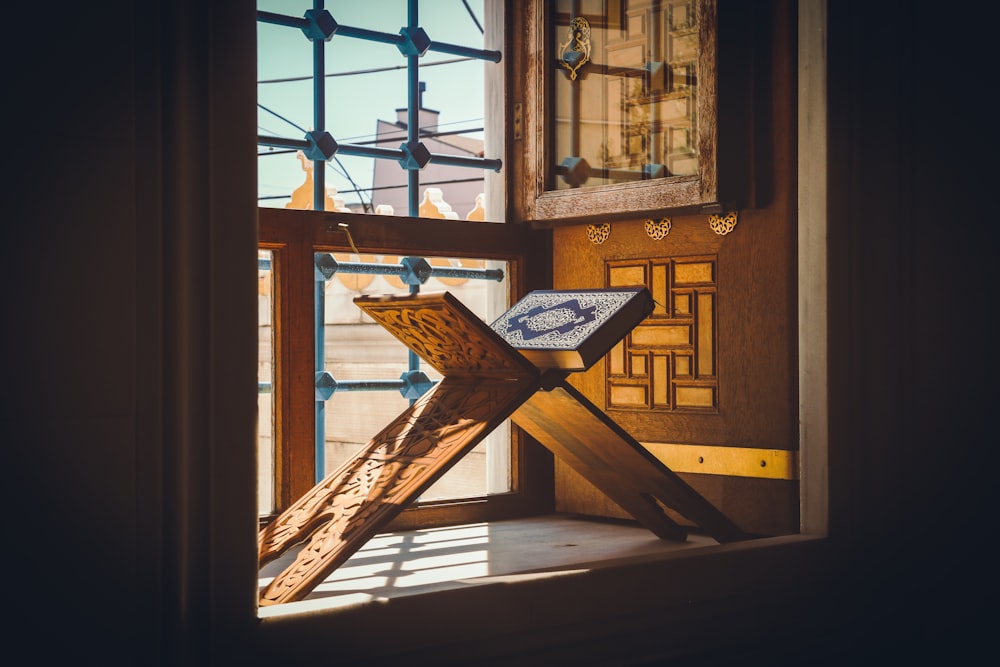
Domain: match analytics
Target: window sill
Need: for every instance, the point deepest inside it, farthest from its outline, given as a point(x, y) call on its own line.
point(504, 590)
point(428, 561)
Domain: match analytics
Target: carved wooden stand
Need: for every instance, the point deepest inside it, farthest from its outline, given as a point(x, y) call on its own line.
point(485, 382)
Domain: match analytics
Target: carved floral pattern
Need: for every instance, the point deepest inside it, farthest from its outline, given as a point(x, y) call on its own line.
point(722, 225)
point(598, 234)
point(448, 338)
point(657, 230)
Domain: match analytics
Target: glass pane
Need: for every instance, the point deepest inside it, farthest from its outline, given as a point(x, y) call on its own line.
point(366, 91)
point(265, 380)
point(624, 91)
point(367, 365)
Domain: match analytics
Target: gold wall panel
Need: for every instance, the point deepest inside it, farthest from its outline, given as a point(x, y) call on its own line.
point(730, 461)
point(706, 334)
point(629, 396)
point(627, 276)
point(661, 336)
point(695, 397)
point(637, 365)
point(659, 290)
point(671, 355)
point(682, 366)
point(616, 360)
point(700, 272)
point(661, 384)
point(682, 304)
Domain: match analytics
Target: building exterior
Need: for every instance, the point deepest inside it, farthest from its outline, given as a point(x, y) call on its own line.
point(458, 188)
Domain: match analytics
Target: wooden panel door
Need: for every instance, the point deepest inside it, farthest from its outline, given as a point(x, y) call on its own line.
point(708, 380)
point(708, 383)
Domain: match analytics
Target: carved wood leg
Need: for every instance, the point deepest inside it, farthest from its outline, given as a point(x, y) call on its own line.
point(359, 499)
point(606, 455)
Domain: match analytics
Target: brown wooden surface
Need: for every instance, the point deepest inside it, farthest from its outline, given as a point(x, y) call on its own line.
point(399, 235)
point(585, 439)
point(293, 385)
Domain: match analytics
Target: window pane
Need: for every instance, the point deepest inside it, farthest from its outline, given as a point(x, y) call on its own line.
point(265, 382)
point(624, 91)
point(366, 366)
point(358, 89)
point(366, 98)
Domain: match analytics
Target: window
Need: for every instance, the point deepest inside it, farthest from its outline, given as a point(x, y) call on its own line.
point(626, 110)
point(360, 146)
point(304, 234)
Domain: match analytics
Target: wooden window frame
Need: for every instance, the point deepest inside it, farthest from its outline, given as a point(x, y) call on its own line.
point(293, 237)
point(724, 108)
point(630, 590)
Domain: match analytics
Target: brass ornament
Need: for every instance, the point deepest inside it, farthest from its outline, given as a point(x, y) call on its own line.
point(657, 230)
point(598, 234)
point(722, 225)
point(574, 53)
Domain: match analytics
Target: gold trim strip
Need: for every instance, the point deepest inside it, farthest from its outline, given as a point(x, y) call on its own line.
point(731, 461)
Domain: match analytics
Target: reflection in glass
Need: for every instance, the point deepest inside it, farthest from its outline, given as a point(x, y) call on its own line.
point(624, 91)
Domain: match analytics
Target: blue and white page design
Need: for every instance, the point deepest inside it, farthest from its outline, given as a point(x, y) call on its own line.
point(558, 319)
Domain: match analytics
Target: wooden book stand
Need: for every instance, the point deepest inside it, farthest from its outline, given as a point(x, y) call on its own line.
point(485, 382)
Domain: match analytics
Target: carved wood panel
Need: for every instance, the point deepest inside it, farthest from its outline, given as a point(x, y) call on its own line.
point(667, 362)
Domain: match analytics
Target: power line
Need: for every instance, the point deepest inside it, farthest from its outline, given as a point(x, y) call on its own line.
point(343, 170)
point(366, 142)
point(366, 207)
point(473, 15)
point(381, 187)
point(277, 115)
point(374, 70)
point(423, 132)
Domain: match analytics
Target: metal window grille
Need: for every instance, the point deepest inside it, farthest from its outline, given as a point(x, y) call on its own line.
point(318, 145)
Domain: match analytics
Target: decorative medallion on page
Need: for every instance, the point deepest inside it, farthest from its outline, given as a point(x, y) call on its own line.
point(668, 362)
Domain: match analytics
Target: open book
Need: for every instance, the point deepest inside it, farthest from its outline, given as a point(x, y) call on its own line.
point(572, 329)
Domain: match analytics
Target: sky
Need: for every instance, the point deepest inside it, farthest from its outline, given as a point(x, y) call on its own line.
point(356, 101)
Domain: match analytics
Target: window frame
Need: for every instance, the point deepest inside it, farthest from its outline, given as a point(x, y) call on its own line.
point(723, 181)
point(293, 237)
point(633, 596)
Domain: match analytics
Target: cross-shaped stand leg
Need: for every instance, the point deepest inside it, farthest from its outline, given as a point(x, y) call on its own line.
point(485, 382)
